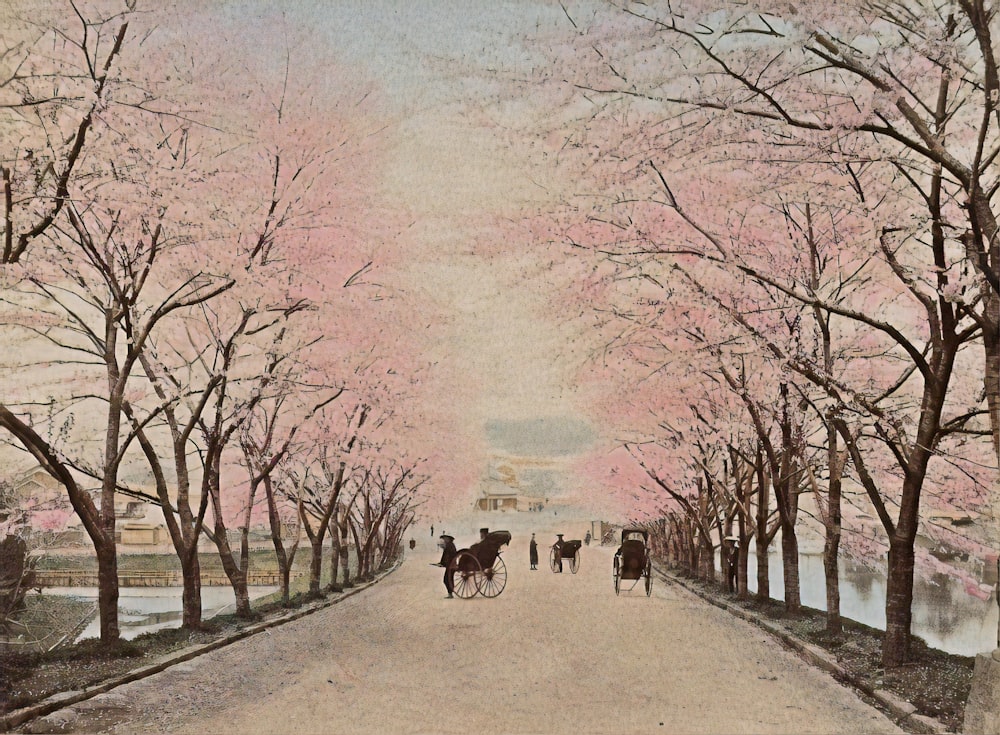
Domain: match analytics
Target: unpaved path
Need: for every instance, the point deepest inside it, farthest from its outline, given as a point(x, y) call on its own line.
point(552, 654)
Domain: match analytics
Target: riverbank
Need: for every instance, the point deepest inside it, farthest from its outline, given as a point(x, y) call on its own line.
point(928, 695)
point(930, 691)
point(33, 684)
point(62, 569)
point(676, 664)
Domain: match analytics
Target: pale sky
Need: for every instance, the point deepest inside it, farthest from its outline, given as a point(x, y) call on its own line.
point(451, 175)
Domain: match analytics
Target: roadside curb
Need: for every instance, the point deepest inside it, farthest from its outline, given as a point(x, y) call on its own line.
point(61, 700)
point(901, 711)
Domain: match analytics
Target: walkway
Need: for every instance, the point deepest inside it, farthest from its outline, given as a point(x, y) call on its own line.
point(553, 653)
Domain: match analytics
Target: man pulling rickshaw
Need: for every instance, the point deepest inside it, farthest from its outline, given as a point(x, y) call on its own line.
point(565, 550)
point(477, 569)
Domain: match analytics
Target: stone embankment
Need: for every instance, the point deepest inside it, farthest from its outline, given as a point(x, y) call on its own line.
point(168, 578)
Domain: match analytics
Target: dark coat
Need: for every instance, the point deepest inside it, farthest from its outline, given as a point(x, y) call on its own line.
point(533, 551)
point(448, 553)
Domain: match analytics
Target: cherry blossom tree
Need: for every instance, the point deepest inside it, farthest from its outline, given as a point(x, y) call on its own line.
point(168, 248)
point(747, 106)
point(386, 495)
point(58, 71)
point(92, 282)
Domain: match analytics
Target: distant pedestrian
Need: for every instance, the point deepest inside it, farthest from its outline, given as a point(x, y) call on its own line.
point(432, 530)
point(586, 539)
point(448, 552)
point(533, 552)
point(413, 544)
point(558, 549)
point(732, 562)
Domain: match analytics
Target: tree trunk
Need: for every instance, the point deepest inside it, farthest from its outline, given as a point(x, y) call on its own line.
point(694, 549)
point(787, 499)
point(107, 594)
point(899, 587)
point(242, 596)
point(988, 265)
point(277, 540)
point(707, 559)
point(899, 573)
point(831, 540)
point(191, 595)
point(237, 577)
point(743, 553)
point(286, 583)
point(898, 601)
point(360, 552)
point(991, 380)
point(284, 569)
point(789, 539)
point(762, 542)
point(345, 554)
point(743, 520)
point(763, 571)
point(334, 559)
point(107, 552)
point(831, 556)
point(790, 567)
point(316, 564)
point(183, 525)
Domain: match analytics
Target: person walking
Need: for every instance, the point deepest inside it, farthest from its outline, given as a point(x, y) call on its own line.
point(432, 530)
point(448, 552)
point(533, 553)
point(558, 547)
point(732, 547)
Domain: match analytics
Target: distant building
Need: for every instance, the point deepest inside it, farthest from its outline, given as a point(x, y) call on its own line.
point(512, 483)
point(508, 500)
point(38, 486)
point(38, 503)
point(41, 500)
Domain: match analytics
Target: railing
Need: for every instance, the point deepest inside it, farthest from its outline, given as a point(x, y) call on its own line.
point(168, 578)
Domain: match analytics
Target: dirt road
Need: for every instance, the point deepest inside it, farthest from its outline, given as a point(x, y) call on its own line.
point(554, 653)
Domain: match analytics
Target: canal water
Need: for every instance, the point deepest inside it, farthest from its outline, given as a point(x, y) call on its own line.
point(945, 616)
point(145, 609)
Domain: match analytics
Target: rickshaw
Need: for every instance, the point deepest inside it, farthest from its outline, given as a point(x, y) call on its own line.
point(479, 568)
point(569, 552)
point(632, 560)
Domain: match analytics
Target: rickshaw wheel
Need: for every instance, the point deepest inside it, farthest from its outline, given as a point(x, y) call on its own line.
point(553, 561)
point(493, 579)
point(465, 572)
point(618, 576)
point(649, 579)
point(574, 563)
